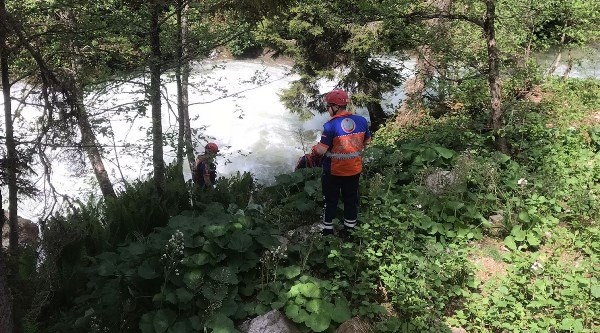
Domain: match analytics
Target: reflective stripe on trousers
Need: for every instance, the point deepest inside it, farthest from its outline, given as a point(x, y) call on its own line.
point(333, 186)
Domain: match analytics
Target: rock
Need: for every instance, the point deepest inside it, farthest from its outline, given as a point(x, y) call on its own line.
point(270, 322)
point(458, 330)
point(496, 220)
point(28, 232)
point(305, 233)
point(439, 181)
point(354, 325)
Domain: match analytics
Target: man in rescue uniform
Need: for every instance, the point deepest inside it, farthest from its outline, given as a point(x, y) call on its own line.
point(342, 143)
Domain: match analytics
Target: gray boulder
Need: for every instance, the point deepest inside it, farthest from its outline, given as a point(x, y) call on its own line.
point(270, 322)
point(439, 181)
point(28, 232)
point(355, 325)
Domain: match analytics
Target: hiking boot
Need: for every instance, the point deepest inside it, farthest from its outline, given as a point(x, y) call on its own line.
point(347, 234)
point(326, 232)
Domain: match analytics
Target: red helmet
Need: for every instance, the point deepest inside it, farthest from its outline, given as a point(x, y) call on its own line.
point(337, 97)
point(212, 147)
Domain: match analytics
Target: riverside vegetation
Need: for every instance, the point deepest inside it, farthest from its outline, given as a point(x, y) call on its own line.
point(149, 263)
point(509, 243)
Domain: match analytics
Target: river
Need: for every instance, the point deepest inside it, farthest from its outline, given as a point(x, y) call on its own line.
point(232, 103)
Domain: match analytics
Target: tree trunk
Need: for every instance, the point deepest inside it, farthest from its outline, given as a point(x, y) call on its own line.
point(426, 65)
point(567, 71)
point(558, 57)
point(180, 115)
point(6, 313)
point(182, 74)
point(88, 140)
point(185, 78)
point(11, 150)
point(6, 323)
point(376, 115)
point(494, 75)
point(155, 100)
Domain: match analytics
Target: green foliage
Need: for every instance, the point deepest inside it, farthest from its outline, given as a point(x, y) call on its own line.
point(140, 208)
point(236, 190)
point(311, 302)
point(154, 262)
point(294, 200)
point(193, 264)
point(244, 43)
point(538, 294)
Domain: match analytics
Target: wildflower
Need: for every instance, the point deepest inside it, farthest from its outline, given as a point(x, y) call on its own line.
point(536, 265)
point(522, 182)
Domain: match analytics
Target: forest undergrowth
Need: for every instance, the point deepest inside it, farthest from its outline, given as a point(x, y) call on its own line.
point(452, 234)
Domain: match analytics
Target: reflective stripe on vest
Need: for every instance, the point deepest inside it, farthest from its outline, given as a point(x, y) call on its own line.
point(343, 156)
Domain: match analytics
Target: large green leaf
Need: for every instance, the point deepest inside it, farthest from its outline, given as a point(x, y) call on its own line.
point(310, 290)
point(184, 295)
point(163, 319)
point(266, 240)
point(229, 307)
point(180, 327)
point(518, 233)
point(136, 249)
point(215, 230)
point(146, 324)
point(265, 296)
point(220, 323)
point(318, 322)
point(193, 279)
point(524, 216)
point(224, 274)
point(444, 152)
point(292, 311)
point(290, 272)
point(170, 297)
point(147, 271)
point(240, 241)
point(509, 241)
point(455, 205)
point(310, 187)
point(341, 312)
point(532, 239)
point(197, 259)
point(187, 224)
point(107, 266)
point(196, 323)
point(428, 155)
point(214, 292)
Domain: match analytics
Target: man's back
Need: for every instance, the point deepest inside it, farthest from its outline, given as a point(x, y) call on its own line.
point(345, 134)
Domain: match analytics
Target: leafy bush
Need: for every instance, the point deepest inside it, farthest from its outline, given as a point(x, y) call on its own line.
point(236, 190)
point(195, 272)
point(537, 295)
point(294, 200)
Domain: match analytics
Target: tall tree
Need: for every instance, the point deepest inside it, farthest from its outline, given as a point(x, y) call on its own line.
point(77, 84)
point(427, 55)
point(156, 9)
point(6, 319)
point(494, 75)
point(338, 41)
point(11, 158)
point(70, 28)
point(182, 73)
